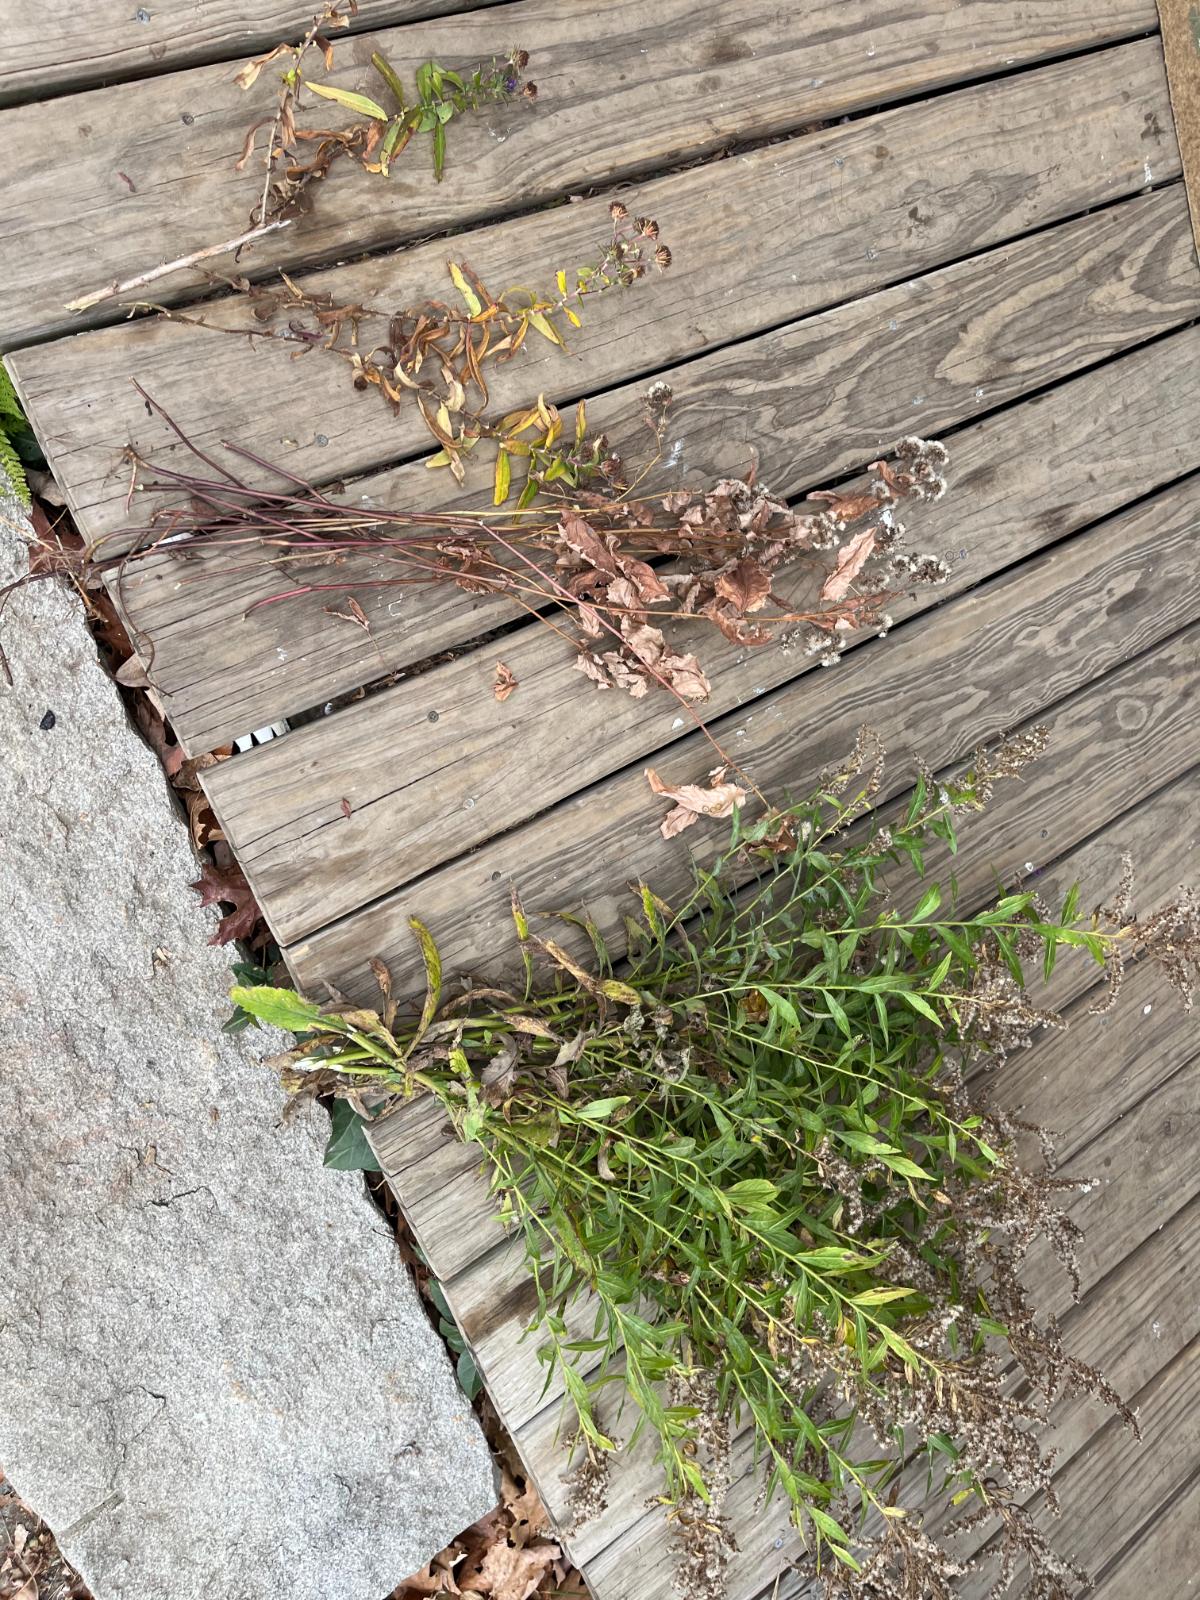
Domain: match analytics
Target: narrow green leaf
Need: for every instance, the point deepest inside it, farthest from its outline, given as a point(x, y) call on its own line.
point(363, 104)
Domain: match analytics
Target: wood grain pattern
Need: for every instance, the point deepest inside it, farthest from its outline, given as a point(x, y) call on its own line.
point(816, 398)
point(905, 182)
point(1147, 1188)
point(1144, 718)
point(1160, 1551)
point(622, 89)
point(635, 1551)
point(282, 805)
point(992, 658)
point(59, 46)
point(1108, 1328)
point(1107, 1493)
point(1180, 22)
point(1150, 1290)
point(492, 1296)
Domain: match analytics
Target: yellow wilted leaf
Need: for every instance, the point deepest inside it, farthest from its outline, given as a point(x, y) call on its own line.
point(441, 459)
point(363, 104)
point(572, 318)
point(545, 327)
point(464, 288)
point(560, 278)
point(580, 421)
point(503, 478)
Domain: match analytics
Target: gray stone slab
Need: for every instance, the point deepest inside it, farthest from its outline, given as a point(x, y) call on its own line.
point(216, 1378)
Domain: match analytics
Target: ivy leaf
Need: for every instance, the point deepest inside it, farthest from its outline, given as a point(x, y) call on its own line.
point(348, 1149)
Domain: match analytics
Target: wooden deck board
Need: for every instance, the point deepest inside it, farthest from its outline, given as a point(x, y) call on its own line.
point(969, 671)
point(54, 48)
point(492, 1297)
point(1144, 714)
point(218, 681)
point(635, 1564)
point(1162, 1553)
point(976, 260)
point(282, 805)
point(1108, 1328)
point(736, 271)
point(1149, 1290)
point(622, 88)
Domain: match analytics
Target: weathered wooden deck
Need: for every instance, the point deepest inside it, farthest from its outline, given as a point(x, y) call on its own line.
point(964, 219)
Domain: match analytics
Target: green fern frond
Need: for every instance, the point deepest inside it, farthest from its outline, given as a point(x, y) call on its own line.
point(12, 471)
point(10, 406)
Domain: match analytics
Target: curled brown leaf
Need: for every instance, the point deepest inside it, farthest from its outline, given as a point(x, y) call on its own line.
point(694, 800)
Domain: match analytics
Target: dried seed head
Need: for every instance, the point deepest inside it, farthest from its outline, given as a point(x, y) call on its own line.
point(662, 258)
point(617, 211)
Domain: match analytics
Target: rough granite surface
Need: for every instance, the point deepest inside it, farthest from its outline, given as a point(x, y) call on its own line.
point(216, 1378)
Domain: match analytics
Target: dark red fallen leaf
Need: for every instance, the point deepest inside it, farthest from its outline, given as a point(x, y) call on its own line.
point(228, 886)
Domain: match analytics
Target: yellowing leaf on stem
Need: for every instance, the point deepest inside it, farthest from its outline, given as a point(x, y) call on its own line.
point(362, 103)
point(474, 306)
point(503, 478)
point(545, 327)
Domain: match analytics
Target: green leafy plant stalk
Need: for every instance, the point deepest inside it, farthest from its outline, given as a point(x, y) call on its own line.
point(296, 156)
point(752, 1184)
point(18, 447)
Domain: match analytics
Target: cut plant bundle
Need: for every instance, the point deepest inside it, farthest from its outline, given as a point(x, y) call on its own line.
point(753, 1186)
point(297, 156)
point(619, 567)
point(433, 354)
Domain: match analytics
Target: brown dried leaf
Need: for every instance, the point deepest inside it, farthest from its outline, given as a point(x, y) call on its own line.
point(685, 675)
point(746, 586)
point(504, 682)
point(510, 1572)
point(851, 559)
point(692, 801)
point(848, 507)
point(246, 78)
point(202, 823)
point(353, 613)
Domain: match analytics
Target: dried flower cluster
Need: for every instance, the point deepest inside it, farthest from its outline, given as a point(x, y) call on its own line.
point(755, 1166)
point(621, 567)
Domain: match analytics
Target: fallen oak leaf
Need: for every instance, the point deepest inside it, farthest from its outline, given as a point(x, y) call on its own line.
point(851, 559)
point(510, 1572)
point(504, 682)
point(228, 884)
point(693, 801)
